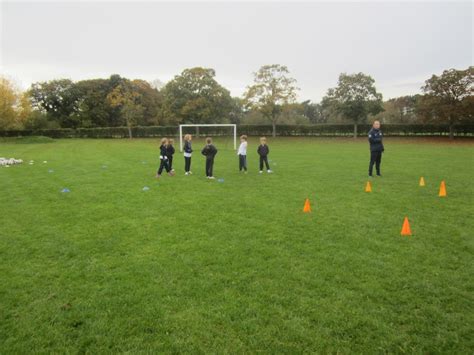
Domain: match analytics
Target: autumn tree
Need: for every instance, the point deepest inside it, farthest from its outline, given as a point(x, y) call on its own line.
point(401, 109)
point(8, 101)
point(151, 100)
point(15, 106)
point(59, 99)
point(126, 97)
point(314, 112)
point(195, 96)
point(94, 110)
point(449, 97)
point(237, 110)
point(355, 97)
point(272, 88)
point(157, 84)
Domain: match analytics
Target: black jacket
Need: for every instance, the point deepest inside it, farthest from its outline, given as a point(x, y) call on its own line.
point(169, 151)
point(375, 140)
point(209, 151)
point(263, 150)
point(187, 147)
point(163, 151)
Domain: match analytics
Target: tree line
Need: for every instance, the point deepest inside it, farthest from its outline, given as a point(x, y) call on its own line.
point(195, 96)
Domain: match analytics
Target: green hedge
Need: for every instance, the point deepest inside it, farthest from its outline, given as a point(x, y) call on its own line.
point(103, 132)
point(324, 130)
point(336, 130)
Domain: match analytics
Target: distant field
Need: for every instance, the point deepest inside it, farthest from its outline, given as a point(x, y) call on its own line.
point(215, 267)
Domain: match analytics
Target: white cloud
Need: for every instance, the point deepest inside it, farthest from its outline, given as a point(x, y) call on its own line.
point(399, 43)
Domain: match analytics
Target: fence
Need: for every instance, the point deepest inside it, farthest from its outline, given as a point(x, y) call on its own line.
point(322, 130)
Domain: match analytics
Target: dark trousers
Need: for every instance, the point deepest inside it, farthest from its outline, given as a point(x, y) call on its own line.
point(164, 164)
point(375, 158)
point(170, 162)
point(264, 159)
point(209, 166)
point(187, 164)
point(242, 162)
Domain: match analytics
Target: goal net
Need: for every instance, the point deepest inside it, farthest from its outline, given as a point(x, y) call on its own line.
point(208, 130)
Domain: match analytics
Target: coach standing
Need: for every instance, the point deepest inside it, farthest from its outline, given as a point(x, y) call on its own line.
point(376, 147)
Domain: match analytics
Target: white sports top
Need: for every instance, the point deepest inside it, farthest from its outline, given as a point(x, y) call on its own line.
point(242, 149)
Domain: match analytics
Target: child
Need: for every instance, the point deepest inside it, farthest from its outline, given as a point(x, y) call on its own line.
point(210, 152)
point(164, 159)
point(242, 153)
point(187, 154)
point(376, 147)
point(169, 153)
point(263, 151)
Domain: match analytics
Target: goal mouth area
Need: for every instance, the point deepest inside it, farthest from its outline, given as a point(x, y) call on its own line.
point(211, 130)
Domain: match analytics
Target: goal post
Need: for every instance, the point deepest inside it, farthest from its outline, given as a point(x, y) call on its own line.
point(234, 126)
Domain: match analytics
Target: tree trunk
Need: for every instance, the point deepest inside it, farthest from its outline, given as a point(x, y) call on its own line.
point(355, 130)
point(451, 131)
point(274, 129)
point(130, 132)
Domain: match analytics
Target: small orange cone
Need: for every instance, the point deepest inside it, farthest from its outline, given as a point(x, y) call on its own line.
point(406, 231)
point(307, 206)
point(368, 187)
point(442, 189)
point(422, 181)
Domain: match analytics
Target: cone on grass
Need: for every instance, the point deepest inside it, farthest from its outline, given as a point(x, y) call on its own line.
point(307, 206)
point(368, 187)
point(422, 181)
point(406, 231)
point(442, 189)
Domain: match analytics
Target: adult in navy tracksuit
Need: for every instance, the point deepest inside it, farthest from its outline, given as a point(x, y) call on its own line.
point(376, 148)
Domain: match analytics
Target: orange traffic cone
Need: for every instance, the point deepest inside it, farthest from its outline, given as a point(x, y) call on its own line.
point(442, 189)
point(368, 187)
point(422, 181)
point(307, 206)
point(406, 231)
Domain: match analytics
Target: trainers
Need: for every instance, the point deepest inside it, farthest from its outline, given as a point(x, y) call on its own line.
point(171, 173)
point(158, 176)
point(260, 172)
point(186, 173)
point(190, 172)
point(269, 171)
point(211, 177)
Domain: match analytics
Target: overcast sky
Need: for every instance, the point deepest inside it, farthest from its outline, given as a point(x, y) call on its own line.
point(399, 43)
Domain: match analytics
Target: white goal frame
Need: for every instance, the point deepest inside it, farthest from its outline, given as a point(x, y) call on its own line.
point(205, 125)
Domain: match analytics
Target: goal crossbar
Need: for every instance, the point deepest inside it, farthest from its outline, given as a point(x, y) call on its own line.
point(205, 125)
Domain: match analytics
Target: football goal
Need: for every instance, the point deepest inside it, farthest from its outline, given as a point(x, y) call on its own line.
point(181, 126)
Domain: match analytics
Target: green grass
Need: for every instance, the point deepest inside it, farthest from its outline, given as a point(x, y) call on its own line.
point(235, 267)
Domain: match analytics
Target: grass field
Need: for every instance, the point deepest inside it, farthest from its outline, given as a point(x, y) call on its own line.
point(230, 267)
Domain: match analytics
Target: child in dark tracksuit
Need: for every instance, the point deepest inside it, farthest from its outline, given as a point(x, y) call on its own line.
point(263, 151)
point(209, 151)
point(376, 148)
point(164, 164)
point(169, 153)
point(188, 150)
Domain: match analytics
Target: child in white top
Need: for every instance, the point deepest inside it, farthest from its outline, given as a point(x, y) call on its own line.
point(242, 153)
